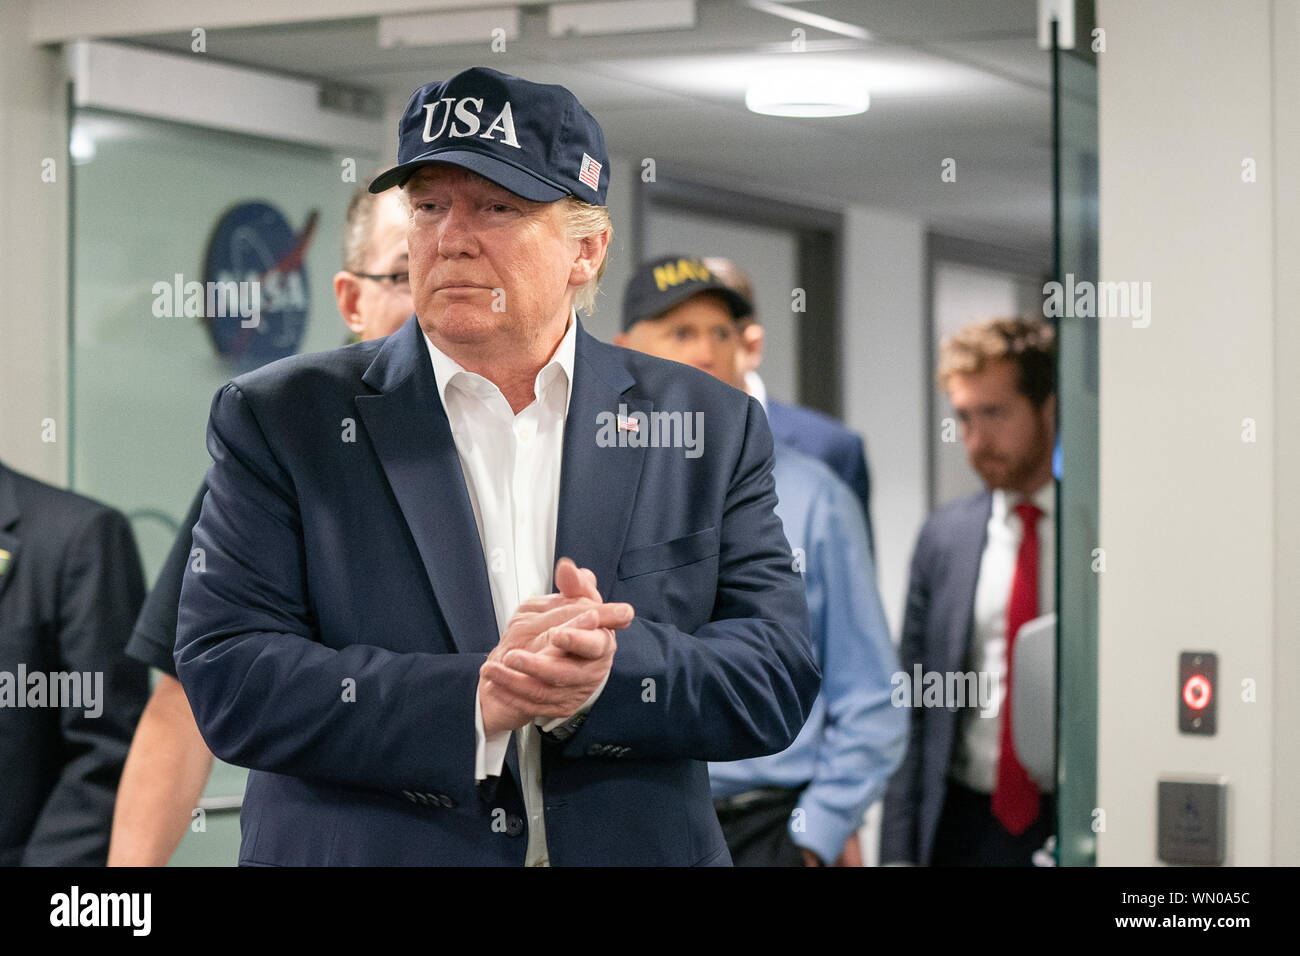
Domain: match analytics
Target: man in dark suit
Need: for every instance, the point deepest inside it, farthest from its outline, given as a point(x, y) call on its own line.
point(982, 567)
point(372, 626)
point(70, 588)
point(814, 433)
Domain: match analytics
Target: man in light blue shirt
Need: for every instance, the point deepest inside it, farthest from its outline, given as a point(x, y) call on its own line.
point(802, 806)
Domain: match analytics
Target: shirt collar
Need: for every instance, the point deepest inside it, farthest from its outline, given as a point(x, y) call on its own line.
point(754, 385)
point(447, 370)
point(1044, 498)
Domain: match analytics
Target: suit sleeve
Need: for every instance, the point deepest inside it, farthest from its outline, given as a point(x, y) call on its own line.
point(266, 693)
point(850, 456)
point(898, 829)
point(154, 639)
point(860, 482)
point(101, 587)
point(865, 735)
point(744, 683)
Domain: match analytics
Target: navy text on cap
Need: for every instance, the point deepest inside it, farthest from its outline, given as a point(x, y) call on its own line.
point(663, 283)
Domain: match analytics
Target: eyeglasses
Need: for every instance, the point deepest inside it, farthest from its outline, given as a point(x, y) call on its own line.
point(398, 280)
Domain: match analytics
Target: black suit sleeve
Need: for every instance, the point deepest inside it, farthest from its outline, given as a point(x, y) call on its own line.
point(860, 481)
point(101, 587)
point(898, 828)
point(154, 639)
point(847, 456)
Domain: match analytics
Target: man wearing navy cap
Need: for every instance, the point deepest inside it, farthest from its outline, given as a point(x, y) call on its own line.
point(381, 630)
point(802, 806)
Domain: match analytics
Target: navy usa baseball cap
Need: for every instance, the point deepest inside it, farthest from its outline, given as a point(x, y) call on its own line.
point(534, 139)
point(661, 284)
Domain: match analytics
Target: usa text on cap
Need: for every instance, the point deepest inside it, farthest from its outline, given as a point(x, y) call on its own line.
point(534, 139)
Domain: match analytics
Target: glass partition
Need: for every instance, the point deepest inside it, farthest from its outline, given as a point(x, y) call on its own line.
point(1079, 559)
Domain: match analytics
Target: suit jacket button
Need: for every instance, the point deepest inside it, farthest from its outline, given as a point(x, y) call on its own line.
point(445, 800)
point(409, 796)
point(595, 750)
point(514, 825)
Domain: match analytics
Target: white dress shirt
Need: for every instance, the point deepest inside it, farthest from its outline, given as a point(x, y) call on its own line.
point(511, 465)
point(975, 758)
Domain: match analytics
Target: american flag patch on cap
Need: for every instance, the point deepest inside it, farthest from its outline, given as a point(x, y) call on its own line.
point(590, 172)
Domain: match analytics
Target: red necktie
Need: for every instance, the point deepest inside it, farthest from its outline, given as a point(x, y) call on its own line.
point(1015, 796)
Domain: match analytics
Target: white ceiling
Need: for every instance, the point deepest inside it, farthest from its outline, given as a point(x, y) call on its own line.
point(948, 78)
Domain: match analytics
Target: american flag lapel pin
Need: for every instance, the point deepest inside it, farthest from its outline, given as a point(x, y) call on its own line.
point(627, 424)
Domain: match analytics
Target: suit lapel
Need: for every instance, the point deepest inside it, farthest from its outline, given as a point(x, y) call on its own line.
point(412, 438)
point(8, 518)
point(597, 484)
point(968, 550)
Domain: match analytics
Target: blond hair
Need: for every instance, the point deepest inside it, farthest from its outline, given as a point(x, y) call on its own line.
point(583, 221)
point(1028, 343)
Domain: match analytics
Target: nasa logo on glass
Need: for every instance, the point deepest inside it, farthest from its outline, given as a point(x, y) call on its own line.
point(253, 243)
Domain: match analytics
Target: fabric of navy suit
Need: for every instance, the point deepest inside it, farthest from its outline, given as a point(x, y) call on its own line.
point(70, 588)
point(824, 438)
point(332, 638)
point(938, 624)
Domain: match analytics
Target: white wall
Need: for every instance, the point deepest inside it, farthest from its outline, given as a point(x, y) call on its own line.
point(56, 20)
point(33, 254)
point(885, 382)
point(1286, 434)
point(1190, 523)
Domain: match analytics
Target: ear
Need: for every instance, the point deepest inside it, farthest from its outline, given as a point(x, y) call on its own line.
point(347, 292)
point(751, 342)
point(591, 253)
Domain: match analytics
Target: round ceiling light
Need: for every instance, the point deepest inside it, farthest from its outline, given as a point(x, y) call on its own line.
point(808, 93)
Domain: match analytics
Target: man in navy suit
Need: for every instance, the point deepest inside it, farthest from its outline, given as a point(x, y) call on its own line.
point(814, 433)
point(982, 566)
point(70, 587)
point(369, 622)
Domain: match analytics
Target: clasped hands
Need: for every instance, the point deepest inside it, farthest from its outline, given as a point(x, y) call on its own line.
point(555, 652)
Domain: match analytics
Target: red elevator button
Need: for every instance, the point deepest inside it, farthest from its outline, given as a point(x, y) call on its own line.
point(1196, 692)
